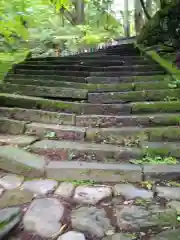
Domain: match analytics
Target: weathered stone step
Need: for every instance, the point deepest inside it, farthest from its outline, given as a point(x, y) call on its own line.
point(90, 62)
point(50, 72)
point(123, 73)
point(45, 91)
point(91, 87)
point(11, 100)
point(57, 132)
point(96, 80)
point(110, 80)
point(133, 96)
point(155, 107)
point(85, 74)
point(133, 136)
point(99, 172)
point(126, 136)
point(12, 76)
point(18, 161)
point(69, 150)
point(89, 68)
point(87, 57)
point(147, 120)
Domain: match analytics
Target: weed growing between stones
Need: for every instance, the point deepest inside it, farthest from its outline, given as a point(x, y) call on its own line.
point(148, 159)
point(170, 99)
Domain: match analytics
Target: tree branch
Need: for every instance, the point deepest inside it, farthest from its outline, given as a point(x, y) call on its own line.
point(145, 10)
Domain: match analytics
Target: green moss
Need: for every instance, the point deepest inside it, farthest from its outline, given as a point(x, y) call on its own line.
point(156, 107)
point(146, 95)
point(151, 85)
point(10, 100)
point(164, 134)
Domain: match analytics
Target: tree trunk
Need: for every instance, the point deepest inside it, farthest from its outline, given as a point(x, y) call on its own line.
point(126, 18)
point(138, 16)
point(79, 12)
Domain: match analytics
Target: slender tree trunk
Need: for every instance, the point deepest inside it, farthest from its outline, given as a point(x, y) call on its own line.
point(138, 16)
point(79, 9)
point(126, 18)
point(149, 7)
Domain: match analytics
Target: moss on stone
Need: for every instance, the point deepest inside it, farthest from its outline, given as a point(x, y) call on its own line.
point(164, 134)
point(151, 85)
point(156, 107)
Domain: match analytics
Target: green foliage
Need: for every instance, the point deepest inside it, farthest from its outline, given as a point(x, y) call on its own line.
point(148, 159)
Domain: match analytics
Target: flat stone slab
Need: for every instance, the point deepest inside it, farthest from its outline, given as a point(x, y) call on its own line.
point(11, 126)
point(16, 140)
point(91, 220)
point(72, 235)
point(65, 150)
point(100, 172)
point(168, 235)
point(169, 192)
point(65, 190)
point(21, 162)
point(53, 131)
point(91, 195)
point(33, 115)
point(139, 218)
point(43, 91)
point(9, 218)
point(11, 181)
point(62, 106)
point(128, 191)
point(162, 172)
point(40, 187)
point(118, 236)
point(15, 197)
point(43, 217)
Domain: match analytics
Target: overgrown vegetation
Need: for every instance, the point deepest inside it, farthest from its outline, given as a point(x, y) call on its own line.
point(150, 159)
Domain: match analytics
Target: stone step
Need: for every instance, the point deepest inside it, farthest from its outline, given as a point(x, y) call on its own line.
point(81, 151)
point(91, 87)
point(104, 121)
point(155, 107)
point(126, 136)
point(133, 96)
point(133, 136)
point(12, 76)
point(18, 161)
point(123, 73)
point(89, 68)
point(96, 80)
point(50, 72)
point(110, 80)
point(86, 74)
point(19, 101)
point(87, 57)
point(44, 91)
point(89, 62)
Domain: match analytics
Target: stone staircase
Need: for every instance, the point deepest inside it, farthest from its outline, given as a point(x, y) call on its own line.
point(97, 110)
point(85, 120)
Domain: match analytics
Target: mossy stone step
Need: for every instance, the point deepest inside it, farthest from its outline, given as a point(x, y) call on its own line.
point(21, 162)
point(132, 136)
point(45, 91)
point(147, 120)
point(156, 107)
point(87, 57)
point(66, 150)
point(91, 87)
point(107, 121)
point(33, 115)
point(95, 80)
point(11, 77)
point(123, 73)
point(50, 72)
point(89, 68)
point(54, 131)
point(11, 100)
point(89, 62)
point(133, 96)
point(110, 80)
